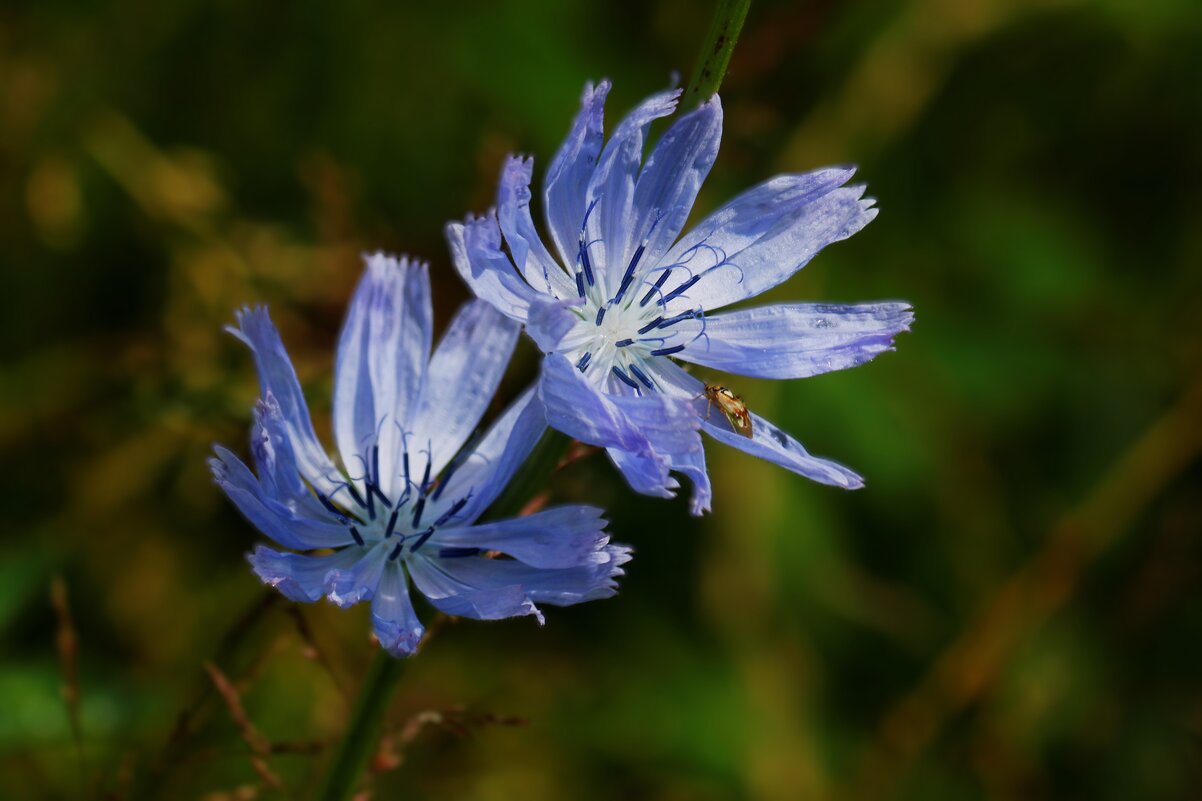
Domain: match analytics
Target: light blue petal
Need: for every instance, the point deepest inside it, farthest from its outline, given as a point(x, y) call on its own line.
point(567, 179)
point(797, 340)
point(611, 188)
point(382, 355)
point(463, 375)
point(762, 238)
point(550, 320)
point(648, 422)
point(278, 382)
point(300, 577)
point(488, 272)
point(557, 586)
point(645, 473)
point(526, 247)
point(767, 442)
point(566, 536)
point(276, 466)
point(439, 580)
point(653, 430)
point(771, 444)
point(291, 528)
point(348, 586)
point(487, 467)
point(691, 464)
point(670, 180)
point(396, 625)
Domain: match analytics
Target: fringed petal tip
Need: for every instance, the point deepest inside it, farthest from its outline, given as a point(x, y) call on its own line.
point(295, 580)
point(248, 321)
point(381, 265)
point(397, 639)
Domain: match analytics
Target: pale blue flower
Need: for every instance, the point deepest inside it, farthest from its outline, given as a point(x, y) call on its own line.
point(403, 504)
point(620, 293)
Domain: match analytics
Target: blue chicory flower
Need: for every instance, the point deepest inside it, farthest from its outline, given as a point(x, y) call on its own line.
point(404, 504)
point(627, 294)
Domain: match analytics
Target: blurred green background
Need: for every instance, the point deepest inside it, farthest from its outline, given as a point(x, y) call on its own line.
point(1009, 610)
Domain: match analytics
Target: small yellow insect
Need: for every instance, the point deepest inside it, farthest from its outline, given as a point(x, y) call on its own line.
point(730, 405)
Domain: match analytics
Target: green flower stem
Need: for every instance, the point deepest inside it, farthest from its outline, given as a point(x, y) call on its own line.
point(715, 53)
point(363, 731)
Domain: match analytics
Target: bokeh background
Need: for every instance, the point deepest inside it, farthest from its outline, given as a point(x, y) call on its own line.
point(1009, 610)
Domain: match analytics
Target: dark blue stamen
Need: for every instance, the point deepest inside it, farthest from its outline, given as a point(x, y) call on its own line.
point(675, 292)
point(671, 321)
point(445, 478)
point(449, 513)
point(426, 477)
point(580, 284)
point(396, 551)
point(373, 489)
point(371, 499)
point(654, 323)
point(582, 365)
point(455, 553)
point(641, 376)
point(583, 258)
point(667, 351)
point(582, 253)
point(659, 282)
point(334, 510)
point(391, 523)
point(421, 539)
point(350, 487)
point(623, 343)
point(629, 276)
point(418, 508)
point(625, 379)
point(405, 467)
point(375, 464)
point(601, 314)
point(355, 533)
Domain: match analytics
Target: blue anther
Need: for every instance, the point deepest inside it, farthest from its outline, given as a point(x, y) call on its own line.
point(659, 282)
point(449, 513)
point(421, 539)
point(629, 276)
point(681, 288)
point(653, 324)
point(641, 376)
point(625, 379)
point(334, 510)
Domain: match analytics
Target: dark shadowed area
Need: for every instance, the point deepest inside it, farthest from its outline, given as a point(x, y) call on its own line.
point(1009, 610)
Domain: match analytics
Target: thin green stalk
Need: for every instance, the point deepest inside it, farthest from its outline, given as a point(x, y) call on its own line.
point(714, 56)
point(363, 730)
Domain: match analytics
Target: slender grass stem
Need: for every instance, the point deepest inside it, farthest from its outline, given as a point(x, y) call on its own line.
point(714, 56)
point(363, 729)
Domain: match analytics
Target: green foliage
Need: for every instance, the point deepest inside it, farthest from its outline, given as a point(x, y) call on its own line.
point(1010, 609)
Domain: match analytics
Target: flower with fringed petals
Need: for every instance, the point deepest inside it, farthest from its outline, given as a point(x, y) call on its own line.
point(402, 506)
point(620, 293)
